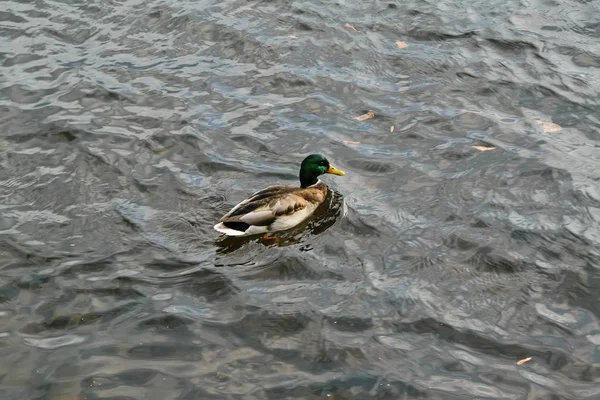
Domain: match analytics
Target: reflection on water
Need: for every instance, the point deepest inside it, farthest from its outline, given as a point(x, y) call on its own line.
point(128, 128)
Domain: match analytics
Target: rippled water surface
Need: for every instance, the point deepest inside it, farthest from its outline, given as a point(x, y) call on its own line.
point(127, 128)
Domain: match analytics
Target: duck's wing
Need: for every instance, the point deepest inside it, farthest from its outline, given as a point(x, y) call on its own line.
point(265, 206)
point(256, 200)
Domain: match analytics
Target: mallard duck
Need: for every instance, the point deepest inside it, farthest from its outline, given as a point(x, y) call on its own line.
point(277, 208)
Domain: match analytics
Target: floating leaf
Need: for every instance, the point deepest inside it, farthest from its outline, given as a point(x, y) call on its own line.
point(483, 148)
point(523, 361)
point(220, 376)
point(392, 128)
point(401, 45)
point(549, 127)
point(365, 117)
point(351, 27)
point(350, 142)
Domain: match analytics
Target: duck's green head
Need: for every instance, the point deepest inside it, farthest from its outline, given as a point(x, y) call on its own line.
point(313, 166)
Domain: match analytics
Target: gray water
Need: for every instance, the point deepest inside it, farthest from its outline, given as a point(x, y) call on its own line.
point(127, 128)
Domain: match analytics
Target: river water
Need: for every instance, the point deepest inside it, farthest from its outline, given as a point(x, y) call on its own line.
point(127, 128)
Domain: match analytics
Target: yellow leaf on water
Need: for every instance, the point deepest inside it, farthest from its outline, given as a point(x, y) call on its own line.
point(350, 142)
point(483, 148)
point(392, 128)
point(401, 45)
point(365, 117)
point(523, 361)
point(220, 376)
point(469, 112)
point(549, 127)
point(351, 27)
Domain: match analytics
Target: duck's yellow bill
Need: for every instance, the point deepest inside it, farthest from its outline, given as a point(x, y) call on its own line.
point(335, 171)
